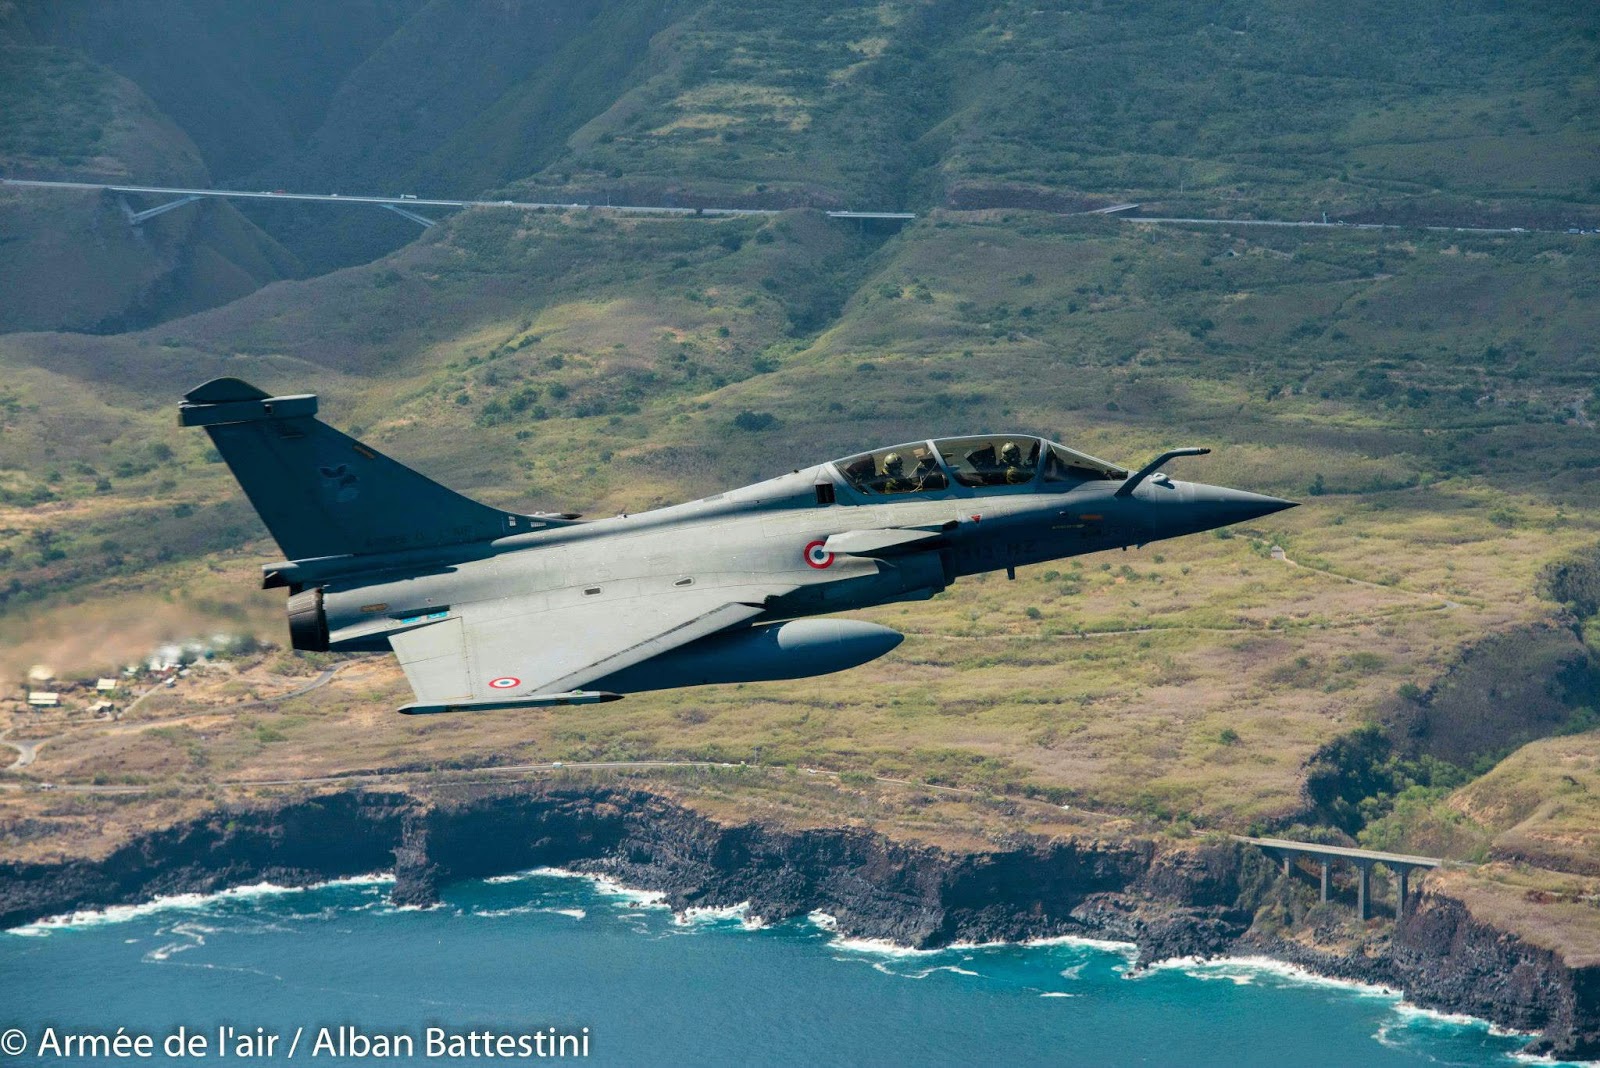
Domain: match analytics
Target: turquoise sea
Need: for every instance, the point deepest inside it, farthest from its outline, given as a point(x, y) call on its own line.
point(519, 955)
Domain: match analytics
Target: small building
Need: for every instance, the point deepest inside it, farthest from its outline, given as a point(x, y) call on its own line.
point(105, 685)
point(43, 699)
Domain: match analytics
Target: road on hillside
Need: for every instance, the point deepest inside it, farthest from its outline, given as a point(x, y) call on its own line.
point(408, 202)
point(26, 751)
point(424, 202)
point(1333, 225)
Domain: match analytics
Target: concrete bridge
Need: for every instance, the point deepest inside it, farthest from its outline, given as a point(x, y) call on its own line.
point(1399, 863)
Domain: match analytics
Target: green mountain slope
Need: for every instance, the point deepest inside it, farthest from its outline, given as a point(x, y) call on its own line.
point(575, 361)
point(1462, 113)
point(70, 259)
point(248, 89)
point(1227, 108)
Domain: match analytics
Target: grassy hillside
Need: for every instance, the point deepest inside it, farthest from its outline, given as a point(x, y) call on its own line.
point(247, 89)
point(576, 361)
point(1474, 112)
point(66, 113)
point(1275, 107)
point(70, 260)
point(1227, 108)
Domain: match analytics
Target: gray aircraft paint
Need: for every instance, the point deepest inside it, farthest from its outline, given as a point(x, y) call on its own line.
point(491, 609)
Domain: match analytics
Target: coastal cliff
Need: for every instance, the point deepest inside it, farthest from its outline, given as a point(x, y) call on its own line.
point(1171, 899)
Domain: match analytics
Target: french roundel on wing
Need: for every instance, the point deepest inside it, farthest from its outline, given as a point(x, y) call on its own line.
point(816, 557)
point(505, 682)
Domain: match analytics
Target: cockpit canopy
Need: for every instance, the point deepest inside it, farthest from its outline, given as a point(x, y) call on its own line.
point(984, 464)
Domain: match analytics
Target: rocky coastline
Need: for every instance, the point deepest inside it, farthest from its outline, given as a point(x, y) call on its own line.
point(1171, 899)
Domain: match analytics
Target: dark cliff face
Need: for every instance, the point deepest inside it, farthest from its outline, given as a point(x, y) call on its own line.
point(1446, 958)
point(293, 845)
point(1170, 900)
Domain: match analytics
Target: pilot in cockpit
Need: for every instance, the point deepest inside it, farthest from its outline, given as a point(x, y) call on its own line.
point(894, 476)
point(1011, 464)
point(925, 476)
point(1000, 467)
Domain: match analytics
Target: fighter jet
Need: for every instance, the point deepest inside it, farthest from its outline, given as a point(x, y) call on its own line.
point(490, 609)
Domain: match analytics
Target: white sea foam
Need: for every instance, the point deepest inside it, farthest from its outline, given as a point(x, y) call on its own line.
point(515, 910)
point(1407, 1010)
point(163, 953)
point(649, 899)
point(1548, 1061)
point(1393, 1032)
point(375, 878)
point(711, 914)
point(880, 946)
point(885, 947)
point(1057, 994)
point(124, 913)
point(887, 967)
point(552, 873)
point(536, 873)
point(523, 910)
point(1245, 970)
point(193, 935)
point(1122, 949)
point(604, 884)
point(1416, 1014)
point(826, 921)
point(179, 902)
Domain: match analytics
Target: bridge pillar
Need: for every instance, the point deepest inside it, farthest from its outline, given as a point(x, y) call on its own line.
point(1364, 892)
point(1405, 878)
point(421, 220)
point(136, 217)
point(1288, 864)
point(1324, 881)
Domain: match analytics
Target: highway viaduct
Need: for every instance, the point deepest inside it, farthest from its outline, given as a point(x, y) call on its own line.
point(405, 205)
point(1364, 859)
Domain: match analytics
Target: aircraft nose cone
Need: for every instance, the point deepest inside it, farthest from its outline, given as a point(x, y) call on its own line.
point(1253, 505)
point(1224, 506)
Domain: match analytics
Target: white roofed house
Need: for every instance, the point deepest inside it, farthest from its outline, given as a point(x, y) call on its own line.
point(43, 699)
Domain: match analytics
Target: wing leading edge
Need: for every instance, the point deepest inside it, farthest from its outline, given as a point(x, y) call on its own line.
point(503, 655)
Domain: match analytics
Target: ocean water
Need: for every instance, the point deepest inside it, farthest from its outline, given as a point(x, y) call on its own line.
point(519, 955)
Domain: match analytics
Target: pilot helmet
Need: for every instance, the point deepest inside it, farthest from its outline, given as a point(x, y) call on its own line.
point(892, 463)
point(1011, 453)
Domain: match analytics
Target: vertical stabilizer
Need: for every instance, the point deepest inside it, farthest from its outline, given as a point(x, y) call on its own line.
point(322, 493)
